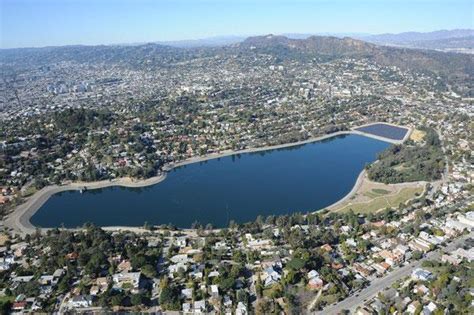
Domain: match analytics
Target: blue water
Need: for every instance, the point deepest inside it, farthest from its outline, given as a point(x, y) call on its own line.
point(240, 187)
point(384, 130)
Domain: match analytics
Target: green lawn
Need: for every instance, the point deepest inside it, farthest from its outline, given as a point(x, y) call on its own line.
point(380, 191)
point(380, 202)
point(376, 192)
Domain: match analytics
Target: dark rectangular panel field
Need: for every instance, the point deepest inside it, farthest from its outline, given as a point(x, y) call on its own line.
point(384, 130)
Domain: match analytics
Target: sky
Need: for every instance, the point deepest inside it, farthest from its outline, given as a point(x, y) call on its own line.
point(37, 23)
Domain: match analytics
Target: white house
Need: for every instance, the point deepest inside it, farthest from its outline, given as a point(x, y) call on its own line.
point(421, 274)
point(81, 301)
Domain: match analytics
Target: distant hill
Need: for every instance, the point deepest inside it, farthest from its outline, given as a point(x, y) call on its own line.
point(408, 37)
point(313, 45)
point(219, 41)
point(204, 42)
point(313, 48)
point(453, 40)
point(326, 47)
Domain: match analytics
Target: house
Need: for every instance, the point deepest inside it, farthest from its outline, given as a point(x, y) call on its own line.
point(382, 267)
point(377, 306)
point(127, 280)
point(420, 245)
point(326, 248)
point(22, 279)
point(363, 311)
point(464, 254)
point(19, 306)
point(241, 309)
point(429, 309)
point(378, 224)
point(271, 275)
point(222, 245)
point(102, 283)
point(94, 290)
point(80, 301)
point(351, 242)
point(46, 280)
point(214, 290)
point(363, 269)
point(213, 274)
point(197, 274)
point(187, 293)
point(412, 307)
point(420, 289)
point(456, 225)
point(172, 269)
point(124, 265)
point(467, 219)
point(72, 256)
point(4, 265)
point(186, 308)
point(421, 274)
point(227, 301)
point(401, 249)
point(181, 241)
point(345, 229)
point(182, 258)
point(451, 259)
point(336, 265)
point(58, 273)
point(313, 273)
point(3, 199)
point(259, 244)
point(199, 307)
point(315, 283)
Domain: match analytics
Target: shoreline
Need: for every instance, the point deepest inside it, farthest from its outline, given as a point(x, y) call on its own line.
point(19, 219)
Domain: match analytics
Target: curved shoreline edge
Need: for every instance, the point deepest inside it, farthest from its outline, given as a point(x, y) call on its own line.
point(19, 219)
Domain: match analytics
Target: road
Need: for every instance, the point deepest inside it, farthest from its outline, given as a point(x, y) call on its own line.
point(351, 303)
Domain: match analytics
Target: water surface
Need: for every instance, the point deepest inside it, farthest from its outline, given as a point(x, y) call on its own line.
point(240, 187)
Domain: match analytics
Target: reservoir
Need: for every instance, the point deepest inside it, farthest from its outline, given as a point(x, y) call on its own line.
point(240, 187)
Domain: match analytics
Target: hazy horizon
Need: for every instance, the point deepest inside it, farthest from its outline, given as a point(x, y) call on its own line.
point(229, 37)
point(41, 23)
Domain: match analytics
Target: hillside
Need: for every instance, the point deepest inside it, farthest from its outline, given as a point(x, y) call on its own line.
point(314, 49)
point(448, 64)
point(452, 40)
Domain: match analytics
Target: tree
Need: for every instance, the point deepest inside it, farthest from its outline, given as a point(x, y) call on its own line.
point(116, 300)
point(169, 298)
point(149, 271)
point(264, 306)
point(259, 287)
point(5, 306)
point(242, 296)
point(417, 255)
point(136, 299)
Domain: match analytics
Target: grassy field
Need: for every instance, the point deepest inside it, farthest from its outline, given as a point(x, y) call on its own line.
point(381, 200)
point(30, 191)
point(376, 192)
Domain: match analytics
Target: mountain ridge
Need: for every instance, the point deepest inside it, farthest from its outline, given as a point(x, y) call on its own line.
point(313, 48)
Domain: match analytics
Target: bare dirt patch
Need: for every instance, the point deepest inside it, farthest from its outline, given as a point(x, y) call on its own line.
point(3, 239)
point(417, 135)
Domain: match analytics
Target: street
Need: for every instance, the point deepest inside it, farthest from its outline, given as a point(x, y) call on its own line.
point(353, 302)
